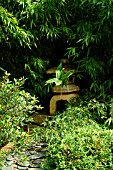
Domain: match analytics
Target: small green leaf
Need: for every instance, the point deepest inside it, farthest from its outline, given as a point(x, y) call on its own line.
point(58, 74)
point(58, 82)
point(59, 66)
point(68, 74)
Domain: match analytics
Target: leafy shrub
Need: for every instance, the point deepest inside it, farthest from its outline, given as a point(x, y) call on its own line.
point(100, 108)
point(75, 141)
point(16, 105)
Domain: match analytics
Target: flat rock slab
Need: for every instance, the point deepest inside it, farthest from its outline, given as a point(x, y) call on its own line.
point(39, 119)
point(12, 167)
point(34, 169)
point(29, 159)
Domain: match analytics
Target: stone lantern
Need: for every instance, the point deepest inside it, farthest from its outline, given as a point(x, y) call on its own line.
point(66, 92)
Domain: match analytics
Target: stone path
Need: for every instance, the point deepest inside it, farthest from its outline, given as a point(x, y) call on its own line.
point(30, 158)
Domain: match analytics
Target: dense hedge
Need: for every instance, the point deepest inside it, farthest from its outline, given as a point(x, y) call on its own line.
point(77, 142)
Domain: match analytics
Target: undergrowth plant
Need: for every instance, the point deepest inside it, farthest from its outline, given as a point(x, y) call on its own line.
point(76, 141)
point(81, 137)
point(16, 106)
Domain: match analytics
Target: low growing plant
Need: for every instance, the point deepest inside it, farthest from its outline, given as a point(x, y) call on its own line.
point(16, 106)
point(76, 141)
point(99, 108)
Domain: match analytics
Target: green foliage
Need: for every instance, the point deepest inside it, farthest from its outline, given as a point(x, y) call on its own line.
point(16, 106)
point(98, 107)
point(98, 110)
point(109, 121)
point(35, 69)
point(49, 27)
point(11, 31)
point(31, 16)
point(76, 141)
point(61, 77)
point(92, 38)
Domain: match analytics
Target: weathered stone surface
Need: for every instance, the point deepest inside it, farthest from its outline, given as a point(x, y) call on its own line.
point(41, 149)
point(12, 167)
point(35, 165)
point(69, 88)
point(6, 168)
point(33, 152)
point(30, 159)
point(34, 169)
point(39, 119)
point(9, 158)
point(41, 144)
point(37, 161)
point(23, 163)
point(59, 97)
point(10, 162)
point(23, 167)
point(37, 156)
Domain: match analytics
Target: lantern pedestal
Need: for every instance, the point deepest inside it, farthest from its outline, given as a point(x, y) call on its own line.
point(67, 92)
point(56, 98)
point(62, 93)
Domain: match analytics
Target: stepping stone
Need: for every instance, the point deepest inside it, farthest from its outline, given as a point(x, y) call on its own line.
point(6, 168)
point(32, 152)
point(34, 169)
point(34, 166)
point(41, 144)
point(38, 155)
point(42, 149)
point(9, 163)
point(30, 158)
point(38, 161)
point(9, 158)
point(22, 168)
point(12, 167)
point(23, 164)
